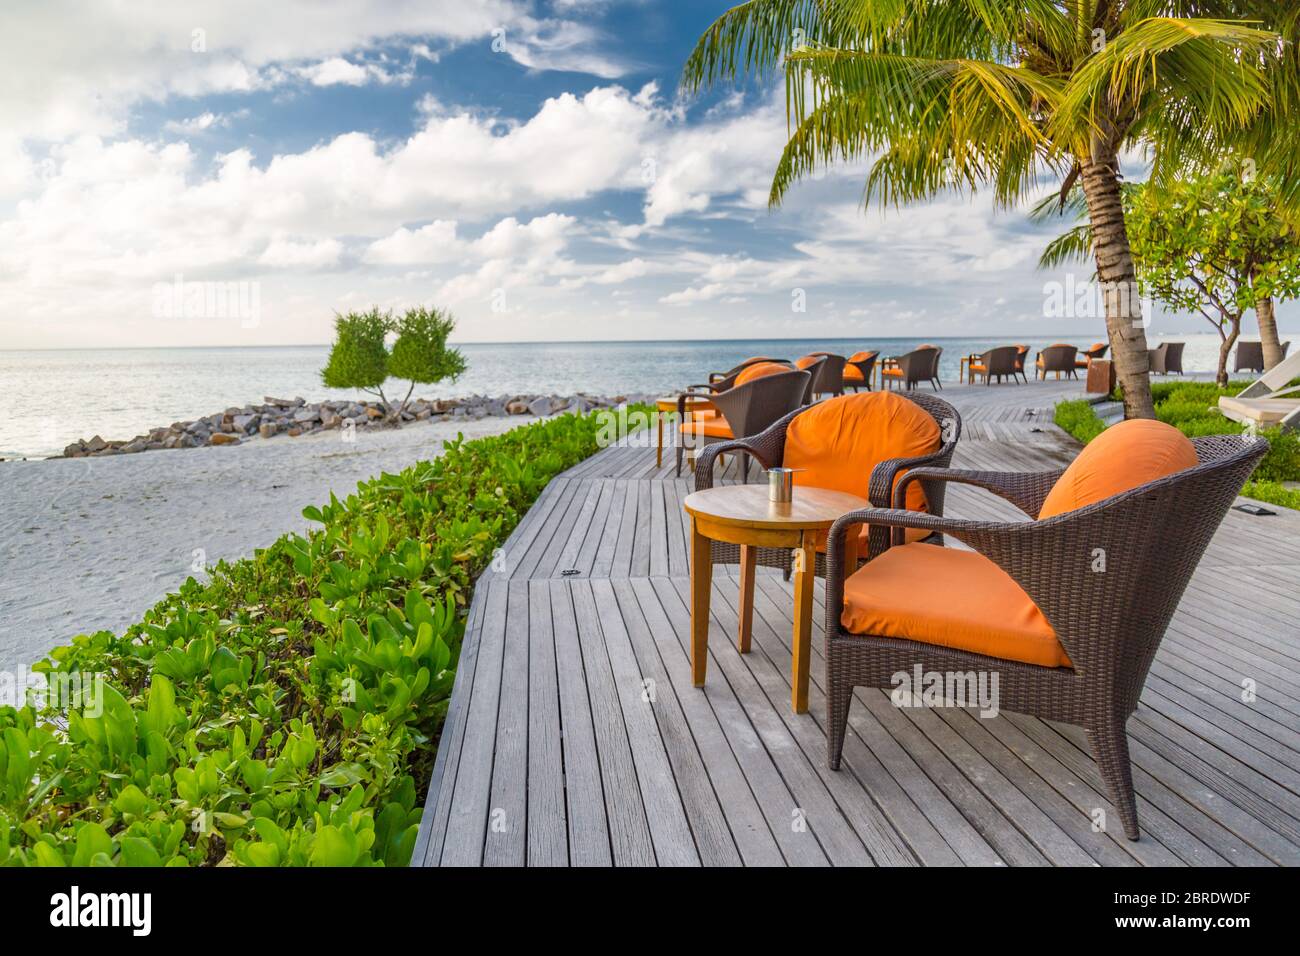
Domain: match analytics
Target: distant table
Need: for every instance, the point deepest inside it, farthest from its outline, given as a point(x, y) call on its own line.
point(962, 375)
point(667, 404)
point(743, 515)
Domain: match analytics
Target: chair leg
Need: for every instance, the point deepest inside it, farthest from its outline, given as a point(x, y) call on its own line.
point(1109, 742)
point(839, 695)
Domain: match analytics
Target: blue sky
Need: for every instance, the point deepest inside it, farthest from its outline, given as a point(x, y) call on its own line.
point(528, 165)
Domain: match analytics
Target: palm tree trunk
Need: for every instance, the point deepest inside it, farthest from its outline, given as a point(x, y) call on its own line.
point(1128, 338)
point(1268, 332)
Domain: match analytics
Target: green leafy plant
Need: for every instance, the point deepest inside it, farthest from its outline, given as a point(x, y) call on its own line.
point(288, 710)
point(360, 357)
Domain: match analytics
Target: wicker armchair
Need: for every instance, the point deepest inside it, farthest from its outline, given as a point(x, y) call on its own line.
point(768, 449)
point(1167, 359)
point(721, 381)
point(828, 372)
point(743, 411)
point(1096, 351)
point(1110, 624)
point(1250, 356)
point(858, 369)
point(1022, 355)
point(919, 365)
point(1057, 358)
point(997, 363)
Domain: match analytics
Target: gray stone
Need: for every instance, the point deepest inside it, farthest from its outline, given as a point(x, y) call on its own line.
point(246, 423)
point(266, 429)
point(135, 446)
point(540, 407)
point(96, 444)
point(305, 415)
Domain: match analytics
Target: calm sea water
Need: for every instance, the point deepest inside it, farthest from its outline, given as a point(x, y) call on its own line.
point(55, 397)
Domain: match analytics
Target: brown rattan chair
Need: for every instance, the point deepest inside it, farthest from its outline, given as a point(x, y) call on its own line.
point(1022, 356)
point(743, 411)
point(721, 381)
point(1250, 356)
point(828, 372)
point(768, 449)
point(1058, 358)
point(1109, 624)
point(1096, 351)
point(997, 363)
point(919, 365)
point(858, 369)
point(1167, 359)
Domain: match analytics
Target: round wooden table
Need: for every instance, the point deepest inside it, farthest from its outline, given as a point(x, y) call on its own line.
point(667, 405)
point(743, 515)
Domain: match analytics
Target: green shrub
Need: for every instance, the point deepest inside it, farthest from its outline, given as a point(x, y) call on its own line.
point(1078, 419)
point(287, 711)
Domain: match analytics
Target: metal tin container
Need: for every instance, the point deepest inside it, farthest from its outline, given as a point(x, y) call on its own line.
point(780, 485)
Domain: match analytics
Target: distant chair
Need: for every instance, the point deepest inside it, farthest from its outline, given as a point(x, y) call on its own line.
point(1056, 358)
point(767, 392)
point(919, 365)
point(858, 370)
point(996, 363)
point(721, 381)
point(1250, 356)
point(827, 371)
point(1022, 355)
point(1167, 359)
point(1097, 350)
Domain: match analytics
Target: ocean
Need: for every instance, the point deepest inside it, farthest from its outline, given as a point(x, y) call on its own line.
point(55, 397)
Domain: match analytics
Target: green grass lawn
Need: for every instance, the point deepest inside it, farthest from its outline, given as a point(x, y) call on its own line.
point(1191, 407)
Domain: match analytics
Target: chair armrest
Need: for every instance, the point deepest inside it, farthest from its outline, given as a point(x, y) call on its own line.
point(1026, 490)
point(709, 454)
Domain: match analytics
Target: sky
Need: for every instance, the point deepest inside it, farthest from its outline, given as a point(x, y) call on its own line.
point(236, 173)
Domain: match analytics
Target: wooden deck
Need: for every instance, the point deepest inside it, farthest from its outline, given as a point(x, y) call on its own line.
point(575, 736)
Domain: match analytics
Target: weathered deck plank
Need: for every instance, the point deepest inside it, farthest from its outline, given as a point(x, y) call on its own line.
point(575, 736)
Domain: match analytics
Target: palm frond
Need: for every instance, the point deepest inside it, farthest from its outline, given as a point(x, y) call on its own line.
point(1072, 246)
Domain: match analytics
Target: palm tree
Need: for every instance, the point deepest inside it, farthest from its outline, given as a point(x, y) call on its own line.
point(960, 94)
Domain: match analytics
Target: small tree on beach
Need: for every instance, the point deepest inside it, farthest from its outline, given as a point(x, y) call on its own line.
point(420, 353)
point(1216, 246)
point(360, 357)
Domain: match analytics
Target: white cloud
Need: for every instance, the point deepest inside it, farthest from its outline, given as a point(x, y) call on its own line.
point(334, 71)
point(435, 242)
point(284, 253)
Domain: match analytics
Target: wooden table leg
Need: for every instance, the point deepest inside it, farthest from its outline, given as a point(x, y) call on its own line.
point(747, 555)
point(805, 574)
point(701, 585)
point(659, 455)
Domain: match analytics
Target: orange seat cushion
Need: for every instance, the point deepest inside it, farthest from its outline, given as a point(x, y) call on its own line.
point(760, 370)
point(977, 367)
point(852, 374)
point(952, 598)
point(837, 443)
point(1122, 457)
point(715, 427)
point(892, 370)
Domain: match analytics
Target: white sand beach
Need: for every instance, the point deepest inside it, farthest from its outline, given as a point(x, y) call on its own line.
point(89, 544)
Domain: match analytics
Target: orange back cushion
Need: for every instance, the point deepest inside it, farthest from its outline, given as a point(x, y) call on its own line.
point(1096, 345)
point(860, 356)
point(838, 442)
point(807, 361)
point(1122, 457)
point(759, 371)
